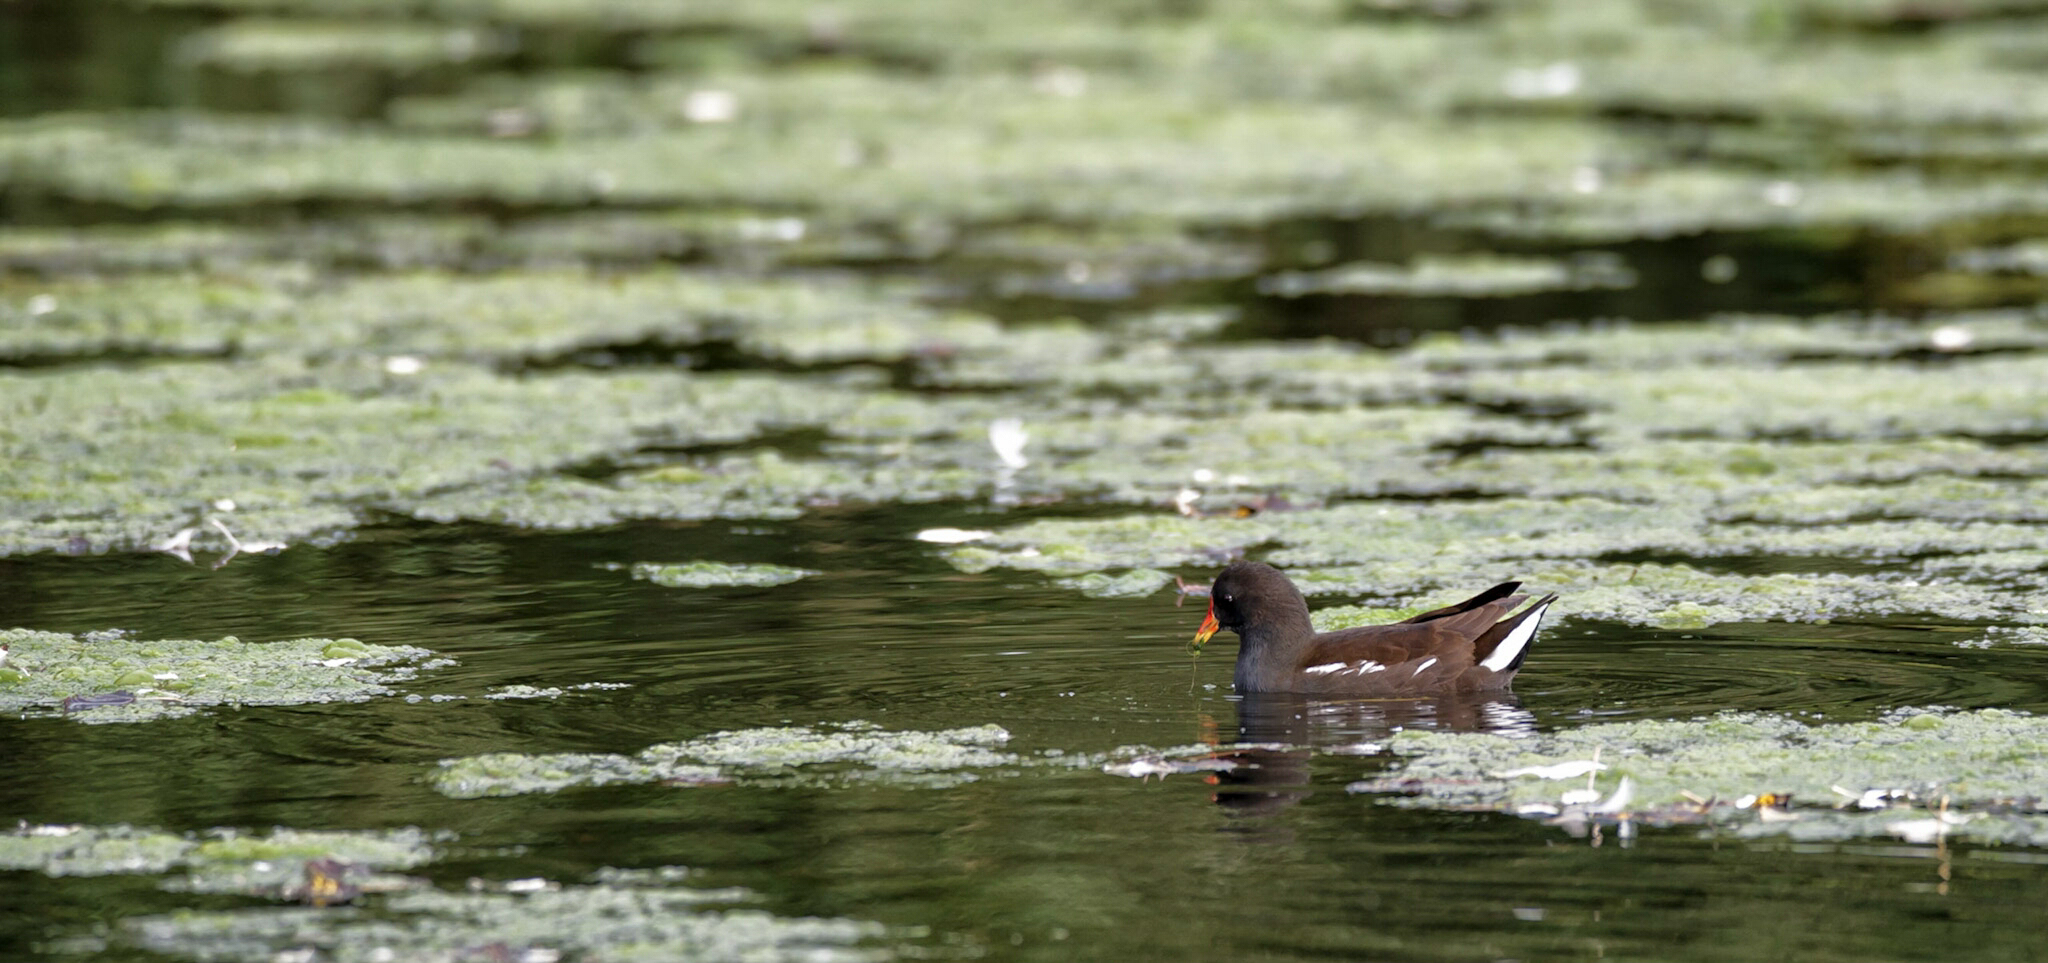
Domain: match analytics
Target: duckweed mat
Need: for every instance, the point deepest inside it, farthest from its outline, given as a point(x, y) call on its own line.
point(110, 677)
point(840, 754)
point(1915, 775)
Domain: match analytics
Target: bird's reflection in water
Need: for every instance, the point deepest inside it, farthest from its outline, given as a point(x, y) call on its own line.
point(1277, 733)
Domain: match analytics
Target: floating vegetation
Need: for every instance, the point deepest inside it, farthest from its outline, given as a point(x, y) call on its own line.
point(620, 914)
point(1926, 773)
point(108, 677)
point(301, 450)
point(834, 754)
point(524, 692)
point(217, 861)
point(1136, 583)
point(539, 314)
point(653, 913)
point(712, 574)
point(249, 45)
point(1466, 277)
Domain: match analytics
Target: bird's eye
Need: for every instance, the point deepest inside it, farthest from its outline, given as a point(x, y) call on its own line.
point(1227, 598)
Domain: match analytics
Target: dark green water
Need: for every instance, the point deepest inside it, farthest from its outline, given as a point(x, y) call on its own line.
point(1039, 864)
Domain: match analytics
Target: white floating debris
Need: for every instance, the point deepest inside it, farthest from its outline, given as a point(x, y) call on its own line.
point(1360, 749)
point(1872, 798)
point(1143, 767)
point(1586, 179)
point(532, 884)
point(223, 504)
point(1560, 79)
point(1579, 797)
point(1061, 81)
point(1563, 770)
point(785, 229)
point(337, 663)
point(711, 106)
point(953, 536)
point(1782, 193)
point(42, 304)
point(236, 546)
point(1202, 476)
point(1184, 501)
point(1951, 337)
point(1926, 830)
point(404, 364)
point(1623, 794)
point(179, 545)
point(511, 122)
point(1007, 437)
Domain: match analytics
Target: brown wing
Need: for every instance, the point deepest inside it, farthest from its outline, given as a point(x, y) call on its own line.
point(1494, 594)
point(1448, 635)
point(1388, 645)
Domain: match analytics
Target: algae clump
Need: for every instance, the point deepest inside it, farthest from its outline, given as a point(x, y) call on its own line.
point(831, 754)
point(169, 678)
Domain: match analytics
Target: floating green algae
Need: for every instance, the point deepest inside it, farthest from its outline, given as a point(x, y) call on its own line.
point(1393, 552)
point(314, 444)
point(1971, 763)
point(1468, 276)
point(753, 484)
point(91, 850)
point(170, 678)
point(1742, 339)
point(249, 45)
point(1927, 497)
point(1129, 116)
point(302, 449)
point(714, 574)
point(949, 154)
point(223, 860)
point(833, 754)
point(620, 915)
point(524, 692)
point(511, 773)
point(435, 315)
point(624, 914)
point(850, 742)
point(1136, 583)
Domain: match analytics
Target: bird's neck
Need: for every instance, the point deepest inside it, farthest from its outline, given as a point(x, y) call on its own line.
point(1271, 646)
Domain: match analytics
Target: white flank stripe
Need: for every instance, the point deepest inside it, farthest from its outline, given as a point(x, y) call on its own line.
point(1324, 669)
point(1511, 647)
point(1368, 666)
point(1426, 663)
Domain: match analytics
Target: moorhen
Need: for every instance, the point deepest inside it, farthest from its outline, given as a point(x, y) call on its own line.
point(1467, 647)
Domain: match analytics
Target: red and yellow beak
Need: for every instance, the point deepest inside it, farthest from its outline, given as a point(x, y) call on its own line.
point(1209, 627)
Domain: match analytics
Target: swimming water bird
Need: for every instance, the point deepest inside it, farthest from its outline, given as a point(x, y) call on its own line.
point(1473, 646)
